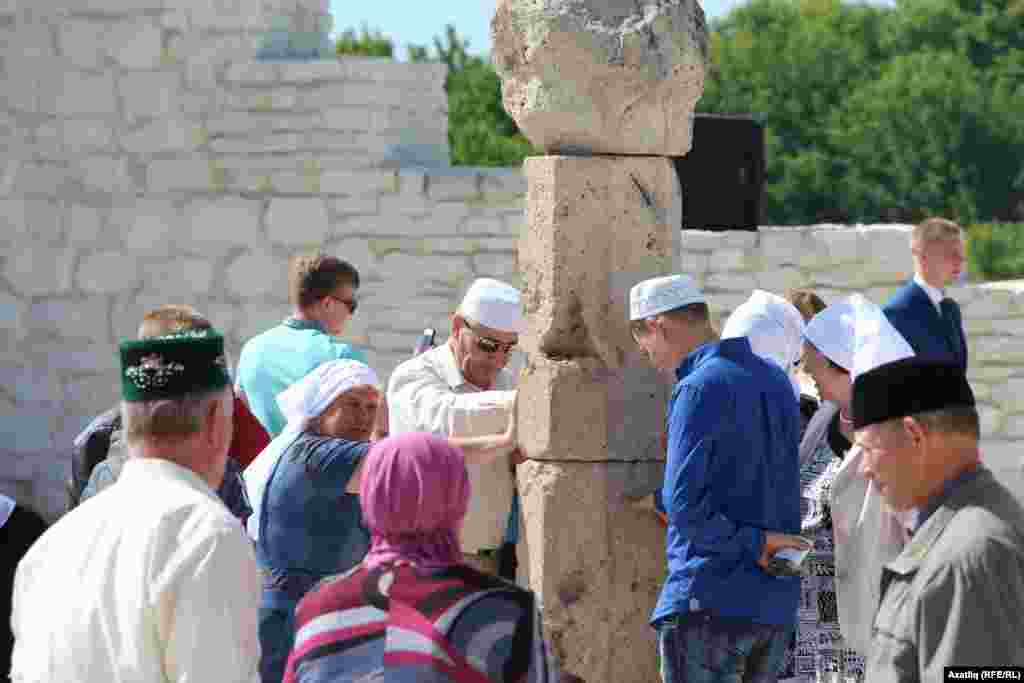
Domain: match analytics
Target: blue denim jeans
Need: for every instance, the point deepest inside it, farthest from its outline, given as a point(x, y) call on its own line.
point(701, 648)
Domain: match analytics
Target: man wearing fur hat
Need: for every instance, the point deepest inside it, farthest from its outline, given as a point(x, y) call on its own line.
point(437, 390)
point(154, 580)
point(955, 594)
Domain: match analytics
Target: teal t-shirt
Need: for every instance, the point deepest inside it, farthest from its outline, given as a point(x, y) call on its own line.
point(274, 360)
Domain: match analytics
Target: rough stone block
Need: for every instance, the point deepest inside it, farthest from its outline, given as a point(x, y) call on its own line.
point(356, 183)
point(729, 260)
point(33, 179)
point(150, 94)
point(297, 221)
point(596, 565)
point(781, 279)
point(165, 135)
point(345, 207)
point(40, 271)
point(257, 274)
point(87, 318)
point(1010, 394)
point(983, 308)
point(1003, 456)
point(313, 72)
point(81, 41)
point(453, 185)
point(503, 184)
point(135, 44)
point(109, 174)
point(252, 73)
point(349, 118)
point(600, 77)
point(257, 318)
point(842, 244)
point(107, 272)
point(410, 270)
point(76, 93)
point(997, 350)
point(596, 226)
point(499, 265)
point(229, 222)
point(357, 252)
point(30, 220)
point(730, 282)
point(991, 420)
point(84, 136)
point(483, 225)
point(581, 410)
point(147, 225)
point(183, 278)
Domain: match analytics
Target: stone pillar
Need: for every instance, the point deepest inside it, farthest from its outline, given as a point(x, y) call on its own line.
point(596, 79)
point(591, 409)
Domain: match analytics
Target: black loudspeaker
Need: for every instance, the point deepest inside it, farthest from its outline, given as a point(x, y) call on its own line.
point(723, 175)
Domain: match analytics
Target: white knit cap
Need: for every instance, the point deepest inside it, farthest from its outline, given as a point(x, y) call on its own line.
point(311, 395)
point(773, 326)
point(493, 304)
point(832, 331)
point(662, 294)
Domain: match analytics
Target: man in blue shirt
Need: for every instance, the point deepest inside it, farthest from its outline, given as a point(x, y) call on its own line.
point(323, 292)
point(731, 492)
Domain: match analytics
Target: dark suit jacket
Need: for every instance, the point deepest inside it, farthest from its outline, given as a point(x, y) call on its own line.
point(914, 316)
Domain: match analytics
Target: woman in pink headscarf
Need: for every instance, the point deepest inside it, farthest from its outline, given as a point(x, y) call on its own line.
point(412, 611)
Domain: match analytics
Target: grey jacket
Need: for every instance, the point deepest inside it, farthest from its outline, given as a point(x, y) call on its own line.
point(955, 595)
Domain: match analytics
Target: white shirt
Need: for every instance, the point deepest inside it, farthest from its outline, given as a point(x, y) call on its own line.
point(152, 580)
point(257, 474)
point(936, 295)
point(429, 394)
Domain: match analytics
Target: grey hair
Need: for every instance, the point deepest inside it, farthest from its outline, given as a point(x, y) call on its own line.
point(171, 419)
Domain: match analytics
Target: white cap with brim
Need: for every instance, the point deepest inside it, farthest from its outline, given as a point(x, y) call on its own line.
point(662, 294)
point(493, 304)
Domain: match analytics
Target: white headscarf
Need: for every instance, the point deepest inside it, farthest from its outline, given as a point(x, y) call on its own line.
point(773, 325)
point(306, 399)
point(7, 506)
point(833, 331)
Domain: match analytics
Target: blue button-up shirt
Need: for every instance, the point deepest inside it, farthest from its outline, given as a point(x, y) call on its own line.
point(732, 474)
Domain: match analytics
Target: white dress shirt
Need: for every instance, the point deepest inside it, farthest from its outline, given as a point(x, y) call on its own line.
point(152, 580)
point(936, 295)
point(429, 394)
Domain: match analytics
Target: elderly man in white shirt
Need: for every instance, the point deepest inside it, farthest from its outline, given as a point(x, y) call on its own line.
point(443, 390)
point(153, 580)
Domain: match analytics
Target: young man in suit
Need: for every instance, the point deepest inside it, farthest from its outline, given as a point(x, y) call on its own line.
point(920, 310)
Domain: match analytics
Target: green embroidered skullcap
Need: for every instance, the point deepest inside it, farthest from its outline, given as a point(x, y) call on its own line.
point(172, 366)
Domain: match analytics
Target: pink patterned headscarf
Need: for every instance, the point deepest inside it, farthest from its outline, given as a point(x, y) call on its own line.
point(414, 495)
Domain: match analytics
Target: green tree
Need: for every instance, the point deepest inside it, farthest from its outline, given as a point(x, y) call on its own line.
point(366, 43)
point(480, 131)
point(928, 135)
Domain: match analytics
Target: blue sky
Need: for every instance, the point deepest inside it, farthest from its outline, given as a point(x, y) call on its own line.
point(418, 21)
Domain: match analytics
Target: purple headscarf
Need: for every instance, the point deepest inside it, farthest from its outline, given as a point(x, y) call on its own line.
point(414, 495)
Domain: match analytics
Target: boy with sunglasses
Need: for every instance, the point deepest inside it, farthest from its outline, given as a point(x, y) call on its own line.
point(428, 392)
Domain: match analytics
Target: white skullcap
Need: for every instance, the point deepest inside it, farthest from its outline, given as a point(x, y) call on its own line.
point(493, 304)
point(876, 341)
point(773, 325)
point(833, 330)
point(662, 294)
point(311, 395)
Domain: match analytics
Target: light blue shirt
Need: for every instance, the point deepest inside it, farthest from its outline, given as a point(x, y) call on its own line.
point(274, 360)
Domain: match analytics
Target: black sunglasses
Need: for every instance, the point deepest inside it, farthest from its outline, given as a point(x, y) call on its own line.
point(351, 305)
point(488, 345)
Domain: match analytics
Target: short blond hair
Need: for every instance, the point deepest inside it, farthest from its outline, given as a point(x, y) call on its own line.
point(170, 319)
point(936, 230)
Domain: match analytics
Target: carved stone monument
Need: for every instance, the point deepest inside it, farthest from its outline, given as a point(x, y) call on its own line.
point(600, 77)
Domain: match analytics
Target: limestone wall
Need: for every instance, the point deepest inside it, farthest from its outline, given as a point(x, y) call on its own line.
point(150, 158)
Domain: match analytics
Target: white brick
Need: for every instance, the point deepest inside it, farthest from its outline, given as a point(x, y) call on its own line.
point(38, 271)
point(150, 94)
point(405, 268)
point(991, 420)
point(180, 278)
point(453, 185)
point(312, 72)
point(779, 280)
point(76, 93)
point(135, 44)
point(503, 184)
point(778, 246)
point(1014, 428)
point(1008, 326)
point(444, 219)
point(1010, 395)
point(842, 244)
point(349, 118)
point(278, 99)
point(501, 266)
point(257, 274)
point(484, 225)
point(82, 42)
point(164, 135)
point(355, 206)
point(297, 221)
point(107, 174)
point(355, 183)
point(728, 260)
point(107, 272)
point(730, 282)
point(184, 175)
point(252, 73)
point(260, 144)
point(394, 225)
point(358, 253)
point(333, 94)
point(83, 136)
point(694, 264)
point(72, 318)
point(992, 374)
point(228, 222)
point(997, 350)
point(984, 307)
point(379, 70)
point(412, 182)
point(241, 123)
point(34, 220)
point(149, 225)
point(1002, 455)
